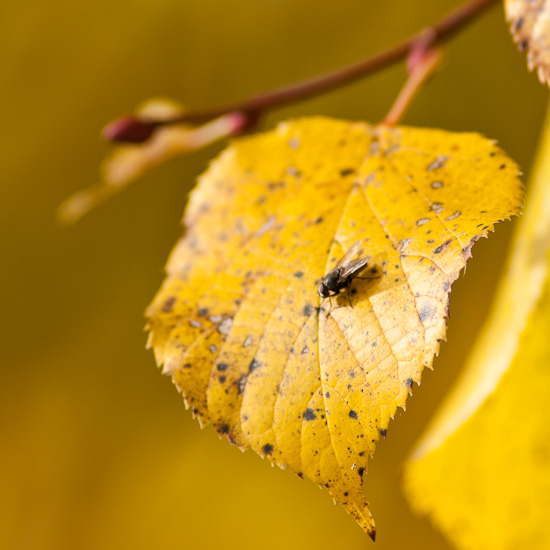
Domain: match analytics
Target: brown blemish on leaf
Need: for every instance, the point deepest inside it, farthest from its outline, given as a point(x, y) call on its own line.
point(168, 304)
point(254, 364)
point(346, 172)
point(439, 162)
point(453, 216)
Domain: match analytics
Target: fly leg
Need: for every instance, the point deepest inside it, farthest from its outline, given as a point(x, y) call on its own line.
point(330, 308)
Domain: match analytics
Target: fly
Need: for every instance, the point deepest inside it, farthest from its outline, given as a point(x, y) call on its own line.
point(343, 274)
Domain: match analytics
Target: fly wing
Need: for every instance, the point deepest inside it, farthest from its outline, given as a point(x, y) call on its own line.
point(353, 267)
point(351, 254)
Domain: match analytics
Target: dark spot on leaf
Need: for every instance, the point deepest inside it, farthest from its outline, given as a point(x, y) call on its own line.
point(409, 382)
point(361, 471)
point(502, 167)
point(327, 394)
point(308, 309)
point(224, 429)
point(382, 432)
point(309, 415)
point(299, 274)
point(319, 220)
point(275, 184)
point(291, 171)
point(353, 414)
point(254, 365)
point(203, 312)
point(518, 23)
point(305, 350)
point(267, 449)
point(438, 250)
point(346, 172)
point(221, 366)
point(168, 304)
point(222, 379)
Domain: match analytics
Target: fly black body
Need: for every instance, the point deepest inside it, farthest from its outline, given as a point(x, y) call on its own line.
point(343, 273)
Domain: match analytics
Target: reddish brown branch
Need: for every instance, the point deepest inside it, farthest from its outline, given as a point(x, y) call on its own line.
point(136, 130)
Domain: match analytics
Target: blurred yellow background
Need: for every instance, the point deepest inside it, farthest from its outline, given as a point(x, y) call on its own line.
point(97, 451)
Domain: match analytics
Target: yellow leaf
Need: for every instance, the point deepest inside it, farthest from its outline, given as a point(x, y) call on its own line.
point(237, 323)
point(530, 27)
point(482, 471)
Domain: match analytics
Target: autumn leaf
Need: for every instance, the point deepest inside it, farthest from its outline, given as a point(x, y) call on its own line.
point(530, 26)
point(238, 322)
point(482, 470)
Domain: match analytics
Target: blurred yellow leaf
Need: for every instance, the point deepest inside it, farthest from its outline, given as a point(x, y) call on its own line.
point(238, 324)
point(530, 27)
point(128, 162)
point(482, 471)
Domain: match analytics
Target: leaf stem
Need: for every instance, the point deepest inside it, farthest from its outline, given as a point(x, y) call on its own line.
point(423, 61)
point(253, 107)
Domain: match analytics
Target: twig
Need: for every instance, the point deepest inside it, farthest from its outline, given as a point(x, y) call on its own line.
point(134, 129)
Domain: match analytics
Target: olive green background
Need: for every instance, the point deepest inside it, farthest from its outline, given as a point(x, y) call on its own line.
point(97, 450)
